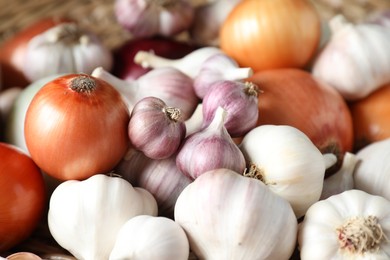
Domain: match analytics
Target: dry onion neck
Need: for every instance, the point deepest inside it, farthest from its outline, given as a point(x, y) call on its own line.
point(83, 83)
point(359, 235)
point(173, 113)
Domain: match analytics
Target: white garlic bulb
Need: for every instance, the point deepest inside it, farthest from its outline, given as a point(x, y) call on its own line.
point(153, 238)
point(372, 173)
point(356, 60)
point(350, 225)
point(65, 48)
point(231, 217)
point(286, 160)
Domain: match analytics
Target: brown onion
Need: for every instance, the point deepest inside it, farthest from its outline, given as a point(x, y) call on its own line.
point(76, 126)
point(294, 97)
point(370, 117)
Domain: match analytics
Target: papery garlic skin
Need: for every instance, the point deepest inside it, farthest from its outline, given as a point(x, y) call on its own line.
point(356, 60)
point(228, 216)
point(372, 173)
point(65, 48)
point(286, 160)
point(153, 238)
point(85, 216)
point(350, 225)
point(145, 18)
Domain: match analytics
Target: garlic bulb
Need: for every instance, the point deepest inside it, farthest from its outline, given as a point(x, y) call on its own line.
point(342, 180)
point(155, 128)
point(169, 84)
point(152, 238)
point(356, 60)
point(215, 68)
point(145, 18)
point(189, 64)
point(209, 149)
point(161, 178)
point(350, 225)
point(228, 216)
point(208, 20)
point(85, 216)
point(372, 173)
point(240, 100)
point(65, 48)
point(286, 160)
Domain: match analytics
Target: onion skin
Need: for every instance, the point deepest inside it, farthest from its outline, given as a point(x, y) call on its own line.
point(370, 117)
point(271, 34)
point(294, 97)
point(23, 196)
point(12, 52)
point(74, 135)
point(124, 66)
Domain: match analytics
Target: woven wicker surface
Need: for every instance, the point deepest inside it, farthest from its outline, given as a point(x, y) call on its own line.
point(98, 16)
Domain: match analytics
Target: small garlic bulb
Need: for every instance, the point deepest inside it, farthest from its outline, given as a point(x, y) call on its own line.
point(287, 161)
point(145, 18)
point(155, 128)
point(239, 99)
point(65, 48)
point(350, 225)
point(356, 60)
point(209, 149)
point(215, 68)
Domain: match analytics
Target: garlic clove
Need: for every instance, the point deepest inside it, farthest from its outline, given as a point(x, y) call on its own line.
point(342, 180)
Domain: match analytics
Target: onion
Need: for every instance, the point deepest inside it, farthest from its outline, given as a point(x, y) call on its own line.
point(294, 97)
point(271, 34)
point(124, 66)
point(76, 126)
point(370, 117)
